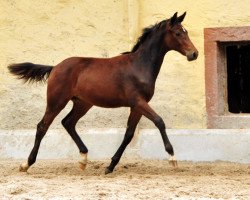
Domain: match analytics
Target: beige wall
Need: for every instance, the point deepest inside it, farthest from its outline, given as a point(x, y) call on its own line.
point(46, 32)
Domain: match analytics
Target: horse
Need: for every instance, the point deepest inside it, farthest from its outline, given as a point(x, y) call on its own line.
point(126, 80)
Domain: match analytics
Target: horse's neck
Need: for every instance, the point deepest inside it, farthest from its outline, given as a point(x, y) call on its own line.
point(152, 56)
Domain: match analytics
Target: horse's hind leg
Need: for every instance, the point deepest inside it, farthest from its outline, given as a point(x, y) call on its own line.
point(69, 122)
point(42, 128)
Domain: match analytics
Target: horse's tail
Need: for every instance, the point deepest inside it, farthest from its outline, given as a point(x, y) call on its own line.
point(30, 72)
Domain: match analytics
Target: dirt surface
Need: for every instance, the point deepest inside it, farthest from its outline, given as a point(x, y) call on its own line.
point(133, 179)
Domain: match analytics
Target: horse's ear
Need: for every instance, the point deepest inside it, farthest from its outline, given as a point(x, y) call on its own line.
point(173, 19)
point(181, 18)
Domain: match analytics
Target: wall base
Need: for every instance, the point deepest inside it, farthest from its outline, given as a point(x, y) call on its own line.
point(190, 145)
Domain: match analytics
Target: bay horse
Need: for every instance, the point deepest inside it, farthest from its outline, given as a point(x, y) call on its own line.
point(127, 80)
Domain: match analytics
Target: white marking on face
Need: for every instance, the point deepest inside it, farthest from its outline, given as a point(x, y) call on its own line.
point(184, 30)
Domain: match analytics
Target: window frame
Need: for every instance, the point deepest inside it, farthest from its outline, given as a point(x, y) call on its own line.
point(215, 40)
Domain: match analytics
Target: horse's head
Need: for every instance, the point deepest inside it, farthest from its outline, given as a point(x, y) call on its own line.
point(177, 38)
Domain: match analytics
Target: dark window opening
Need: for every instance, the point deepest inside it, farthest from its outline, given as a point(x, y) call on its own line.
point(238, 79)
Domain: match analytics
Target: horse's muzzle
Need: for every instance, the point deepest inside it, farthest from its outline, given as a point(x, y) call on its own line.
point(192, 55)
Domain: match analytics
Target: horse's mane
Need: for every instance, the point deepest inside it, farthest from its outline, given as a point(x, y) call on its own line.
point(145, 34)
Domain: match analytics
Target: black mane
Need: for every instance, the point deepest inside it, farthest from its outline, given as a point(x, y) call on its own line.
point(145, 34)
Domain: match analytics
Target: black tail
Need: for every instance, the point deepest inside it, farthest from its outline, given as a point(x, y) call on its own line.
point(30, 72)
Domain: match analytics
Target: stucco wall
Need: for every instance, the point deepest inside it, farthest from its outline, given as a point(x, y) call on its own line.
point(47, 32)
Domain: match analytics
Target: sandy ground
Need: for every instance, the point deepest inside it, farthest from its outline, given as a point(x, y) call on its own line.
point(133, 179)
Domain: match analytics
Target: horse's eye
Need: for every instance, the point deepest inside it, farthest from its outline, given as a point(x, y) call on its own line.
point(178, 34)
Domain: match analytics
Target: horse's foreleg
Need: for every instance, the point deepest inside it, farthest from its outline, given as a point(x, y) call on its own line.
point(133, 120)
point(148, 112)
point(69, 122)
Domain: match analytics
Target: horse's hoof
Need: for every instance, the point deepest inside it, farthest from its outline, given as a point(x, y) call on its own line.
point(173, 161)
point(83, 161)
point(82, 165)
point(24, 167)
point(108, 171)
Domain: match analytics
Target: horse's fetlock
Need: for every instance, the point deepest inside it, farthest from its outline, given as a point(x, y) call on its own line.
point(115, 158)
point(169, 149)
point(31, 161)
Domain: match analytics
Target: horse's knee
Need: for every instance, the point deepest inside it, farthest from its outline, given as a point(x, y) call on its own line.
point(128, 138)
point(129, 134)
point(159, 123)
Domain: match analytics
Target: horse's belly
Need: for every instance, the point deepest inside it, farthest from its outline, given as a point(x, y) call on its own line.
point(105, 101)
point(101, 89)
point(103, 97)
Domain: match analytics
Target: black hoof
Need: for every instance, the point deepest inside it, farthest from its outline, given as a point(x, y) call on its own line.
point(108, 171)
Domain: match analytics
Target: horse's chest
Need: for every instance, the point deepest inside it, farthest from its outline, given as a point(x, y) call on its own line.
point(145, 88)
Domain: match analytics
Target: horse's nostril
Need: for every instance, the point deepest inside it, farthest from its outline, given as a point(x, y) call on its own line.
point(194, 55)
